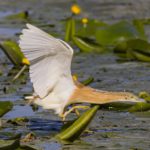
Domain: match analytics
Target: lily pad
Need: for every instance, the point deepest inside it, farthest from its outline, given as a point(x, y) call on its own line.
point(136, 49)
point(12, 50)
point(113, 34)
point(75, 27)
point(19, 121)
point(1, 73)
point(5, 107)
point(9, 144)
point(145, 96)
point(89, 29)
point(140, 107)
point(139, 25)
point(117, 106)
point(88, 81)
point(140, 49)
point(26, 147)
point(21, 15)
point(87, 45)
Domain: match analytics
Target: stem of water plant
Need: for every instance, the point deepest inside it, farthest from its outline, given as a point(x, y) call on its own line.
point(20, 72)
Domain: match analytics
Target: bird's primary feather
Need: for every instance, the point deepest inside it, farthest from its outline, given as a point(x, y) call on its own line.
point(50, 59)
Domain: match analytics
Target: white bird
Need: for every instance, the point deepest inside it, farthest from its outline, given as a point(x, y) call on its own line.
point(50, 72)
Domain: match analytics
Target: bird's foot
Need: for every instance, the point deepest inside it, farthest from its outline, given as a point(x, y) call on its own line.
point(74, 108)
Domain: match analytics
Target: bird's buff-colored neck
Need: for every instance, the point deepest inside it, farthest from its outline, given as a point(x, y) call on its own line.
point(86, 94)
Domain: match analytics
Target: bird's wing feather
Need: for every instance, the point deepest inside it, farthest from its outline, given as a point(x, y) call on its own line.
point(50, 58)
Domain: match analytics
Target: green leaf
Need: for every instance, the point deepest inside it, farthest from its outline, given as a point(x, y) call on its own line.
point(26, 147)
point(121, 49)
point(88, 81)
point(117, 106)
point(140, 107)
point(141, 56)
point(145, 96)
point(87, 45)
point(1, 73)
point(113, 34)
point(9, 144)
point(5, 106)
point(140, 28)
point(140, 49)
point(138, 44)
point(89, 29)
point(12, 50)
point(18, 121)
point(70, 29)
point(136, 49)
point(21, 15)
point(78, 126)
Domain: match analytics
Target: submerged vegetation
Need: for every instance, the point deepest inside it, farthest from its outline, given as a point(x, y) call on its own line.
point(125, 39)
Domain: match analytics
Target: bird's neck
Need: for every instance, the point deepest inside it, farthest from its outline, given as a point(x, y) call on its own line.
point(83, 94)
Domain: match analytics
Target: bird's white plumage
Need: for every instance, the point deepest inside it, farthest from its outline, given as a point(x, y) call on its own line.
point(50, 60)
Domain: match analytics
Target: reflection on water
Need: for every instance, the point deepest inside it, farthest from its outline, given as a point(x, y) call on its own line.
point(44, 124)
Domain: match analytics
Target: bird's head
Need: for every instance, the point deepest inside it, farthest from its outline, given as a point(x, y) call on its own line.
point(132, 98)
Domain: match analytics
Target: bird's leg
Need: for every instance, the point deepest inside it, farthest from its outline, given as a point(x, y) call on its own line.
point(76, 110)
point(63, 116)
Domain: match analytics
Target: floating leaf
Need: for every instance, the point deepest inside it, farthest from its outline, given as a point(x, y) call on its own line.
point(78, 126)
point(26, 147)
point(19, 121)
point(12, 50)
point(141, 56)
point(140, 49)
point(140, 107)
point(140, 28)
point(21, 15)
point(89, 29)
point(88, 81)
point(145, 96)
point(76, 27)
point(113, 34)
point(136, 49)
point(9, 144)
point(138, 44)
point(121, 49)
point(86, 45)
point(1, 73)
point(117, 106)
point(145, 21)
point(5, 106)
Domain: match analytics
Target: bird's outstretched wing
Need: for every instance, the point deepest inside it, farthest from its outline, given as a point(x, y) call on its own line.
point(50, 59)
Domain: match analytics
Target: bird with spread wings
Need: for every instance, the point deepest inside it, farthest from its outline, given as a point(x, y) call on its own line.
point(50, 72)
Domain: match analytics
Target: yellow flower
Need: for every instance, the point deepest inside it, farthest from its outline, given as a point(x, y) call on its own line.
point(75, 77)
point(85, 20)
point(75, 9)
point(25, 61)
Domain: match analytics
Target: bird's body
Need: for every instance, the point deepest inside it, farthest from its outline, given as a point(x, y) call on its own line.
point(57, 99)
point(50, 73)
